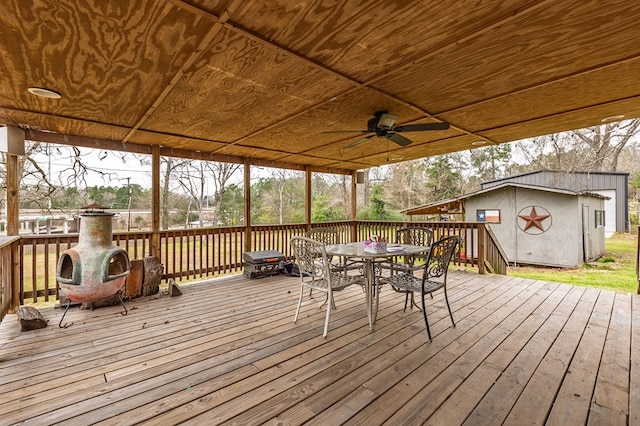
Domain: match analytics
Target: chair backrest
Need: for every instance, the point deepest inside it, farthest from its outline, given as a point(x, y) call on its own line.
point(324, 235)
point(439, 257)
point(311, 257)
point(417, 236)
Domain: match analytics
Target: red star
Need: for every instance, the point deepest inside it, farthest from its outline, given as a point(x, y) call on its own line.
point(534, 219)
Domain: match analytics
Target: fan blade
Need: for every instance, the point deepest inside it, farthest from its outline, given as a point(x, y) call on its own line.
point(387, 120)
point(359, 141)
point(420, 127)
point(399, 139)
point(345, 131)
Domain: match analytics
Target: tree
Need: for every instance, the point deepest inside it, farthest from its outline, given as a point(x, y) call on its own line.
point(232, 205)
point(377, 203)
point(593, 149)
point(444, 176)
point(606, 142)
point(405, 185)
point(490, 163)
point(219, 174)
point(330, 197)
point(278, 198)
point(168, 165)
point(323, 211)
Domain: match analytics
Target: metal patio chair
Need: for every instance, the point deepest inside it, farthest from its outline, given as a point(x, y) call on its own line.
point(434, 276)
point(417, 236)
point(316, 274)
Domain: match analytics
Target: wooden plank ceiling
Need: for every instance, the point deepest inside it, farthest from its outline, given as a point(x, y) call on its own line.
point(264, 79)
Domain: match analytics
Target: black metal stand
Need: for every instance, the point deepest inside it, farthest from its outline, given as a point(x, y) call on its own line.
point(65, 313)
point(65, 325)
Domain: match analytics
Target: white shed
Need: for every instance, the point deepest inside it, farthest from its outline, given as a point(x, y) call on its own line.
point(541, 225)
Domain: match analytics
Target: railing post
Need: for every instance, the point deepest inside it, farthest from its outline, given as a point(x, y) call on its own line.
point(354, 231)
point(307, 197)
point(482, 248)
point(155, 203)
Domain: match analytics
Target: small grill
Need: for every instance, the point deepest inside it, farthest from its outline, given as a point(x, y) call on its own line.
point(262, 263)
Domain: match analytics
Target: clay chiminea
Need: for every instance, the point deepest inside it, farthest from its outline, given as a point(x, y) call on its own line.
point(95, 268)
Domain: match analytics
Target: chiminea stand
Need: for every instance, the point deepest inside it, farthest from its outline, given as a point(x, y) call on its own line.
point(65, 325)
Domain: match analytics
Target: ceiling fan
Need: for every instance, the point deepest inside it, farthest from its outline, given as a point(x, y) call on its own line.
point(383, 125)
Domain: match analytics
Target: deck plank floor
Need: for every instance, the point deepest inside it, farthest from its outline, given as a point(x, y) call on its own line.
point(227, 351)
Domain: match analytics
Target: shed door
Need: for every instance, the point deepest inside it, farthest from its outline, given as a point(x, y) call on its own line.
point(586, 235)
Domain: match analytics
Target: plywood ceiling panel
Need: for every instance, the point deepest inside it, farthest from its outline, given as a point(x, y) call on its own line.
point(266, 80)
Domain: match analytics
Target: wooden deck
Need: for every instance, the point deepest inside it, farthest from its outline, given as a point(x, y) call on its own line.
point(226, 351)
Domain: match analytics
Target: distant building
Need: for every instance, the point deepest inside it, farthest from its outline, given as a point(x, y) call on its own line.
point(613, 185)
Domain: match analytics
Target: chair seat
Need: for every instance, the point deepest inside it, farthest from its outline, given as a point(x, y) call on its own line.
point(408, 282)
point(401, 268)
point(345, 266)
point(338, 282)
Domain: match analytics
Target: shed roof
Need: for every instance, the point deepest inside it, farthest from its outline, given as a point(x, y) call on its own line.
point(442, 207)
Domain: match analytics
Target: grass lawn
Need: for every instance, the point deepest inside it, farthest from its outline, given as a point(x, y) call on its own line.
point(616, 270)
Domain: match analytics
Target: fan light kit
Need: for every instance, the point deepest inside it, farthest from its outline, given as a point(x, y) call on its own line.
point(44, 93)
point(383, 125)
point(612, 118)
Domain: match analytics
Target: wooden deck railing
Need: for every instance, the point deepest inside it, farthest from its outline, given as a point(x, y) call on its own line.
point(188, 254)
point(8, 254)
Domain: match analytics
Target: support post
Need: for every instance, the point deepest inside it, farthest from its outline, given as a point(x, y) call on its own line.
point(247, 205)
point(155, 202)
point(307, 198)
point(354, 205)
point(13, 226)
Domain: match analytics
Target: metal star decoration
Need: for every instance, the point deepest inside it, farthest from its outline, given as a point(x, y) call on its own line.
point(534, 219)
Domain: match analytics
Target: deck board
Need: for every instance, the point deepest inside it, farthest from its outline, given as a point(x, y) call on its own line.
point(227, 351)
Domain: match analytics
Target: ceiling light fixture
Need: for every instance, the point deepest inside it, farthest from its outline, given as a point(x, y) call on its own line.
point(44, 92)
point(478, 143)
point(613, 118)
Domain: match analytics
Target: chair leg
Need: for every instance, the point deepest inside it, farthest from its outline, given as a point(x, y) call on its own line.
point(449, 307)
point(326, 300)
point(426, 321)
point(295, 319)
point(326, 320)
point(410, 296)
